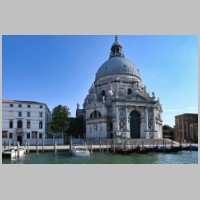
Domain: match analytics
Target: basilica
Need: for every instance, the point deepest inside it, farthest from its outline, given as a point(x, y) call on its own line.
point(118, 104)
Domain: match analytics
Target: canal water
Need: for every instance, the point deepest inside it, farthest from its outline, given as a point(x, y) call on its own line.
point(182, 157)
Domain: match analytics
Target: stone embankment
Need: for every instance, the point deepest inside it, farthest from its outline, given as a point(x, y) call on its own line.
point(102, 144)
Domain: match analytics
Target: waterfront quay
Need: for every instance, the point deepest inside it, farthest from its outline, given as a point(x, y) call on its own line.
point(103, 145)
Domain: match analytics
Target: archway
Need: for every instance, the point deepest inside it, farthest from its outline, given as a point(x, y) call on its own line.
point(19, 139)
point(135, 124)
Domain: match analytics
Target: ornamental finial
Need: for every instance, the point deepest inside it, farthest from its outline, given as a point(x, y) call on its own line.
point(116, 38)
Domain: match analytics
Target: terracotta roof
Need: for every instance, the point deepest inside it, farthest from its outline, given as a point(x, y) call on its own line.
point(21, 102)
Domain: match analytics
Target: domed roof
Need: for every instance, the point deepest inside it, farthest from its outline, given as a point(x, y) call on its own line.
point(117, 65)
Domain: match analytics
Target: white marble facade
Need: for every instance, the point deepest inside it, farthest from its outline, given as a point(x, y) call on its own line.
point(118, 104)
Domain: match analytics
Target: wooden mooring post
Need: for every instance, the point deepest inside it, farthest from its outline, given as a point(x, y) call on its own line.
point(70, 145)
point(28, 146)
point(100, 145)
point(113, 146)
point(43, 146)
point(55, 147)
point(91, 148)
point(127, 144)
point(25, 146)
point(18, 149)
point(107, 146)
point(37, 150)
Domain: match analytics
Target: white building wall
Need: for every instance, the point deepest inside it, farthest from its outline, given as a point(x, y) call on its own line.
point(11, 114)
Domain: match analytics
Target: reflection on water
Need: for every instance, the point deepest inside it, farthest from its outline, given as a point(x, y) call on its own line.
point(182, 157)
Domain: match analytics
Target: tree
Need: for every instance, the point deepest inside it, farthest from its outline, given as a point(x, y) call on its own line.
point(77, 127)
point(60, 119)
point(167, 127)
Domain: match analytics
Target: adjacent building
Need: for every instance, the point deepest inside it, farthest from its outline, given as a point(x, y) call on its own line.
point(118, 104)
point(186, 128)
point(24, 120)
point(194, 132)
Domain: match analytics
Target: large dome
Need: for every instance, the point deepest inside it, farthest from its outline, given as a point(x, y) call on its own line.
point(117, 65)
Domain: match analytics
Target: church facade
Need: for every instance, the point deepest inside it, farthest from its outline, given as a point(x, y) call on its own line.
point(118, 104)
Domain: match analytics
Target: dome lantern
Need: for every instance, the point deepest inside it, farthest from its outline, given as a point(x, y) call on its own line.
point(116, 49)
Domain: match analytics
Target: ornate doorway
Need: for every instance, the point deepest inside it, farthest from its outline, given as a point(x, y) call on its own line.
point(19, 139)
point(135, 124)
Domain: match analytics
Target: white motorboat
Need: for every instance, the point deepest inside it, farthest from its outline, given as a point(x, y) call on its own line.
point(22, 151)
point(13, 152)
point(80, 151)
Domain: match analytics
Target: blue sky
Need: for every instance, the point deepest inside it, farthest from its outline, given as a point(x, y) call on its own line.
point(60, 69)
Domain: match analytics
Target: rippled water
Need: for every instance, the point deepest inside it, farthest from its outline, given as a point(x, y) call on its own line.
point(182, 157)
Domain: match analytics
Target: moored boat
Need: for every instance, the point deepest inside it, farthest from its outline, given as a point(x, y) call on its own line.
point(151, 149)
point(13, 152)
point(171, 149)
point(194, 148)
point(80, 151)
point(127, 150)
point(186, 148)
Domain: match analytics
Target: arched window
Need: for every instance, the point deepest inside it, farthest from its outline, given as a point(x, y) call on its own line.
point(91, 115)
point(40, 125)
point(19, 124)
point(103, 95)
point(129, 91)
point(95, 114)
point(28, 124)
point(11, 124)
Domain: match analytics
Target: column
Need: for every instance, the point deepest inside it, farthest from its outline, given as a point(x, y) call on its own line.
point(117, 118)
point(146, 118)
point(154, 120)
point(155, 133)
point(147, 123)
point(127, 118)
